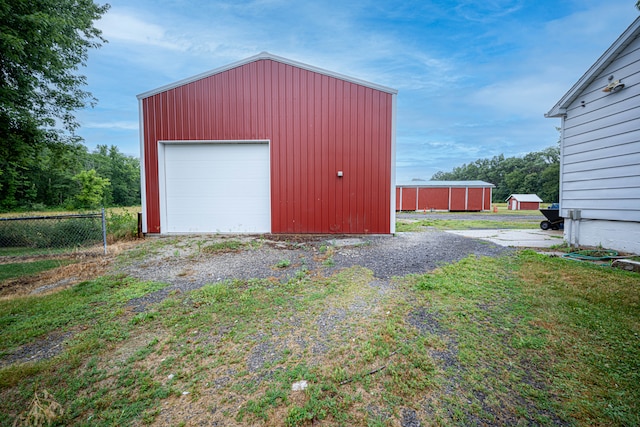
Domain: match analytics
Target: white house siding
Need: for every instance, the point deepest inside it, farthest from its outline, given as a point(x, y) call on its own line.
point(600, 150)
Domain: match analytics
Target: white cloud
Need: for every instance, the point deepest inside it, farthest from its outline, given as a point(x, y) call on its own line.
point(122, 125)
point(528, 96)
point(122, 26)
point(485, 11)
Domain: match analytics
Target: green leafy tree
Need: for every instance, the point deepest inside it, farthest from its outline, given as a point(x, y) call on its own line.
point(54, 172)
point(42, 45)
point(92, 189)
point(123, 173)
point(536, 172)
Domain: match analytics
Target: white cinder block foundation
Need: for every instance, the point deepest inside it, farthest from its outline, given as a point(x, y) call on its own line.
point(617, 235)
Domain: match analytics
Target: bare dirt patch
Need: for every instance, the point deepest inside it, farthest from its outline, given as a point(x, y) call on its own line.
point(84, 266)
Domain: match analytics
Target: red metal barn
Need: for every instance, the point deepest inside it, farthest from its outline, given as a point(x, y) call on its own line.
point(523, 202)
point(268, 145)
point(444, 196)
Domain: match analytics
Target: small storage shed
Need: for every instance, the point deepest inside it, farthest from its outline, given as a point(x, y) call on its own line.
point(444, 196)
point(268, 144)
point(600, 149)
point(523, 202)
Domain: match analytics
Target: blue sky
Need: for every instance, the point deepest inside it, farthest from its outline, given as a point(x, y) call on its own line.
point(475, 77)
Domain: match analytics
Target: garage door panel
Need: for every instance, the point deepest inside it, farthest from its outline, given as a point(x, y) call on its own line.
point(222, 169)
point(217, 188)
point(211, 189)
point(219, 205)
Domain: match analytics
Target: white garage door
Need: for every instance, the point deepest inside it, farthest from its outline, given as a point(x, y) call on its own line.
point(215, 187)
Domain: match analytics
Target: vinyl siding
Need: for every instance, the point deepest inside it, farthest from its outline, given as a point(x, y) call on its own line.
point(600, 161)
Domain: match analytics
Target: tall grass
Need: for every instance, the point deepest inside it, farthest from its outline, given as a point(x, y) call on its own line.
point(28, 237)
point(121, 225)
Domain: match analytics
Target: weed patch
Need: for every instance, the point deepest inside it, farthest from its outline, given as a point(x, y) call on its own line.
point(224, 246)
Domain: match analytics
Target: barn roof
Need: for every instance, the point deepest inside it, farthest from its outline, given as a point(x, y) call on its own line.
point(267, 56)
point(446, 184)
point(592, 73)
point(525, 197)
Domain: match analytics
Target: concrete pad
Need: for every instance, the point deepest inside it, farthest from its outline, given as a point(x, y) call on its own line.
point(517, 238)
point(354, 241)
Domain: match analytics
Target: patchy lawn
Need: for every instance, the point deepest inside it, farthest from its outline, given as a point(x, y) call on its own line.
point(516, 340)
point(21, 269)
point(404, 225)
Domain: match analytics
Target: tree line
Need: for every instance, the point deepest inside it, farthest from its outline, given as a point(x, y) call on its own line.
point(537, 172)
point(43, 45)
point(69, 176)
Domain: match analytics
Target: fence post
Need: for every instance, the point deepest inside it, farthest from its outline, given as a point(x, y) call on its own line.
point(104, 231)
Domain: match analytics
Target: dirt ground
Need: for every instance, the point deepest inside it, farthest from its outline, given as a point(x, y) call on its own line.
point(84, 266)
point(185, 264)
point(181, 262)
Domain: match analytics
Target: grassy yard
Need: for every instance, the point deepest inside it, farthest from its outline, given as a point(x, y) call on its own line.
point(466, 224)
point(518, 340)
point(20, 269)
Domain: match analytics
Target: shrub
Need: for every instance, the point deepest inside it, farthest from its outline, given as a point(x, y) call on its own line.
point(122, 226)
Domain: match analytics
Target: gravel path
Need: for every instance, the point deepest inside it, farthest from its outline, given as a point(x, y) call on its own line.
point(180, 262)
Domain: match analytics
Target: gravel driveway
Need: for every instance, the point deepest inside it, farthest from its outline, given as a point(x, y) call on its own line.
point(183, 264)
point(483, 216)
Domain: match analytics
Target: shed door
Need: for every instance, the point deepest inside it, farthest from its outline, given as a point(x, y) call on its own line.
point(215, 187)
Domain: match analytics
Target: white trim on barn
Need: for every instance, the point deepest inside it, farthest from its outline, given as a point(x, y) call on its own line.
point(268, 56)
point(143, 179)
point(525, 198)
point(221, 183)
point(394, 108)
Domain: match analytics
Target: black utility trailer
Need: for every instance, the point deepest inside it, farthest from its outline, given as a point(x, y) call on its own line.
point(554, 221)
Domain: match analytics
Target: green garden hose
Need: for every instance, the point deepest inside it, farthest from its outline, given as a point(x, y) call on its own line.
point(592, 255)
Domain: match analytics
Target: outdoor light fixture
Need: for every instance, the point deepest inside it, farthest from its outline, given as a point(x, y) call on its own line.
point(613, 86)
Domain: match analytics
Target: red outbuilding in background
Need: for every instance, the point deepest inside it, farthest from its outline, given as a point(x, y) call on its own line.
point(268, 145)
point(523, 202)
point(444, 196)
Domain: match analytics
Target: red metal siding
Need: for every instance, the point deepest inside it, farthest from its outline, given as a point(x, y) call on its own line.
point(487, 199)
point(434, 198)
point(529, 206)
point(474, 199)
point(443, 198)
point(458, 198)
point(409, 199)
point(317, 125)
point(423, 198)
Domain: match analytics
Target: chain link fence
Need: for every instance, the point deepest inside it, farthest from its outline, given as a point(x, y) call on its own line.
point(34, 235)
